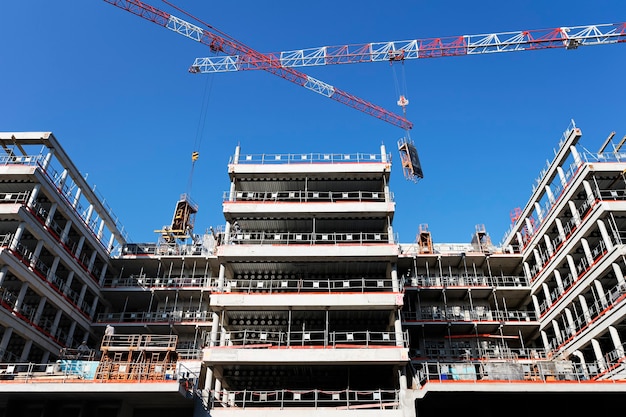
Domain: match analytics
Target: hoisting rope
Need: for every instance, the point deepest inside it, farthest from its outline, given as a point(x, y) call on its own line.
point(200, 129)
point(400, 84)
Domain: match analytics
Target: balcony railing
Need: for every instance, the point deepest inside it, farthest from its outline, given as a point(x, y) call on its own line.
point(155, 317)
point(310, 158)
point(309, 285)
point(304, 196)
point(300, 238)
point(347, 399)
point(332, 339)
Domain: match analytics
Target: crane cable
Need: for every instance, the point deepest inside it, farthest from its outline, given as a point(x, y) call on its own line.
point(200, 129)
point(400, 86)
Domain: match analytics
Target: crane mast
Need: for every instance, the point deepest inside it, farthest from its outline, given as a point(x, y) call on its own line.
point(218, 42)
point(525, 40)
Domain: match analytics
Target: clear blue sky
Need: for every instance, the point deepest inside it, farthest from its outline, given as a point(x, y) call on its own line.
point(115, 90)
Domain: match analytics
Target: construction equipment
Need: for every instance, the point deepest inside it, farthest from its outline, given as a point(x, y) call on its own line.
point(220, 42)
point(525, 40)
point(562, 37)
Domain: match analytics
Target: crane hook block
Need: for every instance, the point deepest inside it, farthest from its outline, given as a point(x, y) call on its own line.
point(403, 101)
point(195, 155)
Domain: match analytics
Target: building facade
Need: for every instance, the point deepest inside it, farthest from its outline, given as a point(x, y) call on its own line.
point(304, 302)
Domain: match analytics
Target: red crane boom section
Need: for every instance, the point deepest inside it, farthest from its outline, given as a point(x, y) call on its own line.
point(219, 42)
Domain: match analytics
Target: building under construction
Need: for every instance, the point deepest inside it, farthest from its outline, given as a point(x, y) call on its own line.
point(303, 303)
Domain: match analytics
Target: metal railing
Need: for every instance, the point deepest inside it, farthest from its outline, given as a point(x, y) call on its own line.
point(144, 281)
point(310, 158)
point(303, 196)
point(271, 238)
point(139, 341)
point(467, 281)
point(309, 285)
point(165, 317)
point(314, 398)
point(464, 313)
point(512, 371)
point(262, 338)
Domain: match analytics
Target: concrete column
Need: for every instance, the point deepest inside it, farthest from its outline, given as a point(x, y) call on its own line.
point(572, 267)
point(77, 197)
point(546, 293)
point(606, 238)
point(26, 351)
point(231, 192)
point(55, 322)
point(4, 343)
point(94, 304)
point(208, 385)
point(39, 311)
point(79, 246)
point(559, 281)
point(70, 334)
point(520, 240)
point(588, 191)
point(50, 216)
point(88, 215)
point(17, 236)
point(600, 291)
point(575, 154)
point(549, 246)
point(557, 331)
point(111, 242)
point(559, 227)
point(616, 269)
point(574, 211)
point(551, 198)
point(538, 259)
point(583, 364)
point(62, 180)
point(583, 304)
point(33, 196)
point(103, 273)
point(545, 340)
point(539, 211)
point(3, 274)
point(68, 281)
point(92, 260)
point(395, 285)
point(45, 358)
point(397, 324)
point(66, 231)
point(81, 295)
point(218, 389)
point(559, 170)
point(529, 227)
point(53, 268)
point(597, 351)
point(617, 342)
point(220, 278)
point(527, 272)
point(36, 253)
point(101, 229)
point(585, 244)
point(215, 324)
point(20, 297)
point(571, 325)
point(536, 305)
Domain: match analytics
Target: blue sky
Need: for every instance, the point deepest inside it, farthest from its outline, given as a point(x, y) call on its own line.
point(115, 90)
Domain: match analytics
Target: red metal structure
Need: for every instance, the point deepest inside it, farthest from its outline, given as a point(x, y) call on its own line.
point(525, 40)
point(221, 43)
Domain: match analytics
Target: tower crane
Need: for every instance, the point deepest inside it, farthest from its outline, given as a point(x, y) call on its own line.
point(524, 40)
point(219, 42)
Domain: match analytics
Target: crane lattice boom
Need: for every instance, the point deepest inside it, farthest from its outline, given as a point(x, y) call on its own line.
point(563, 37)
point(219, 42)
